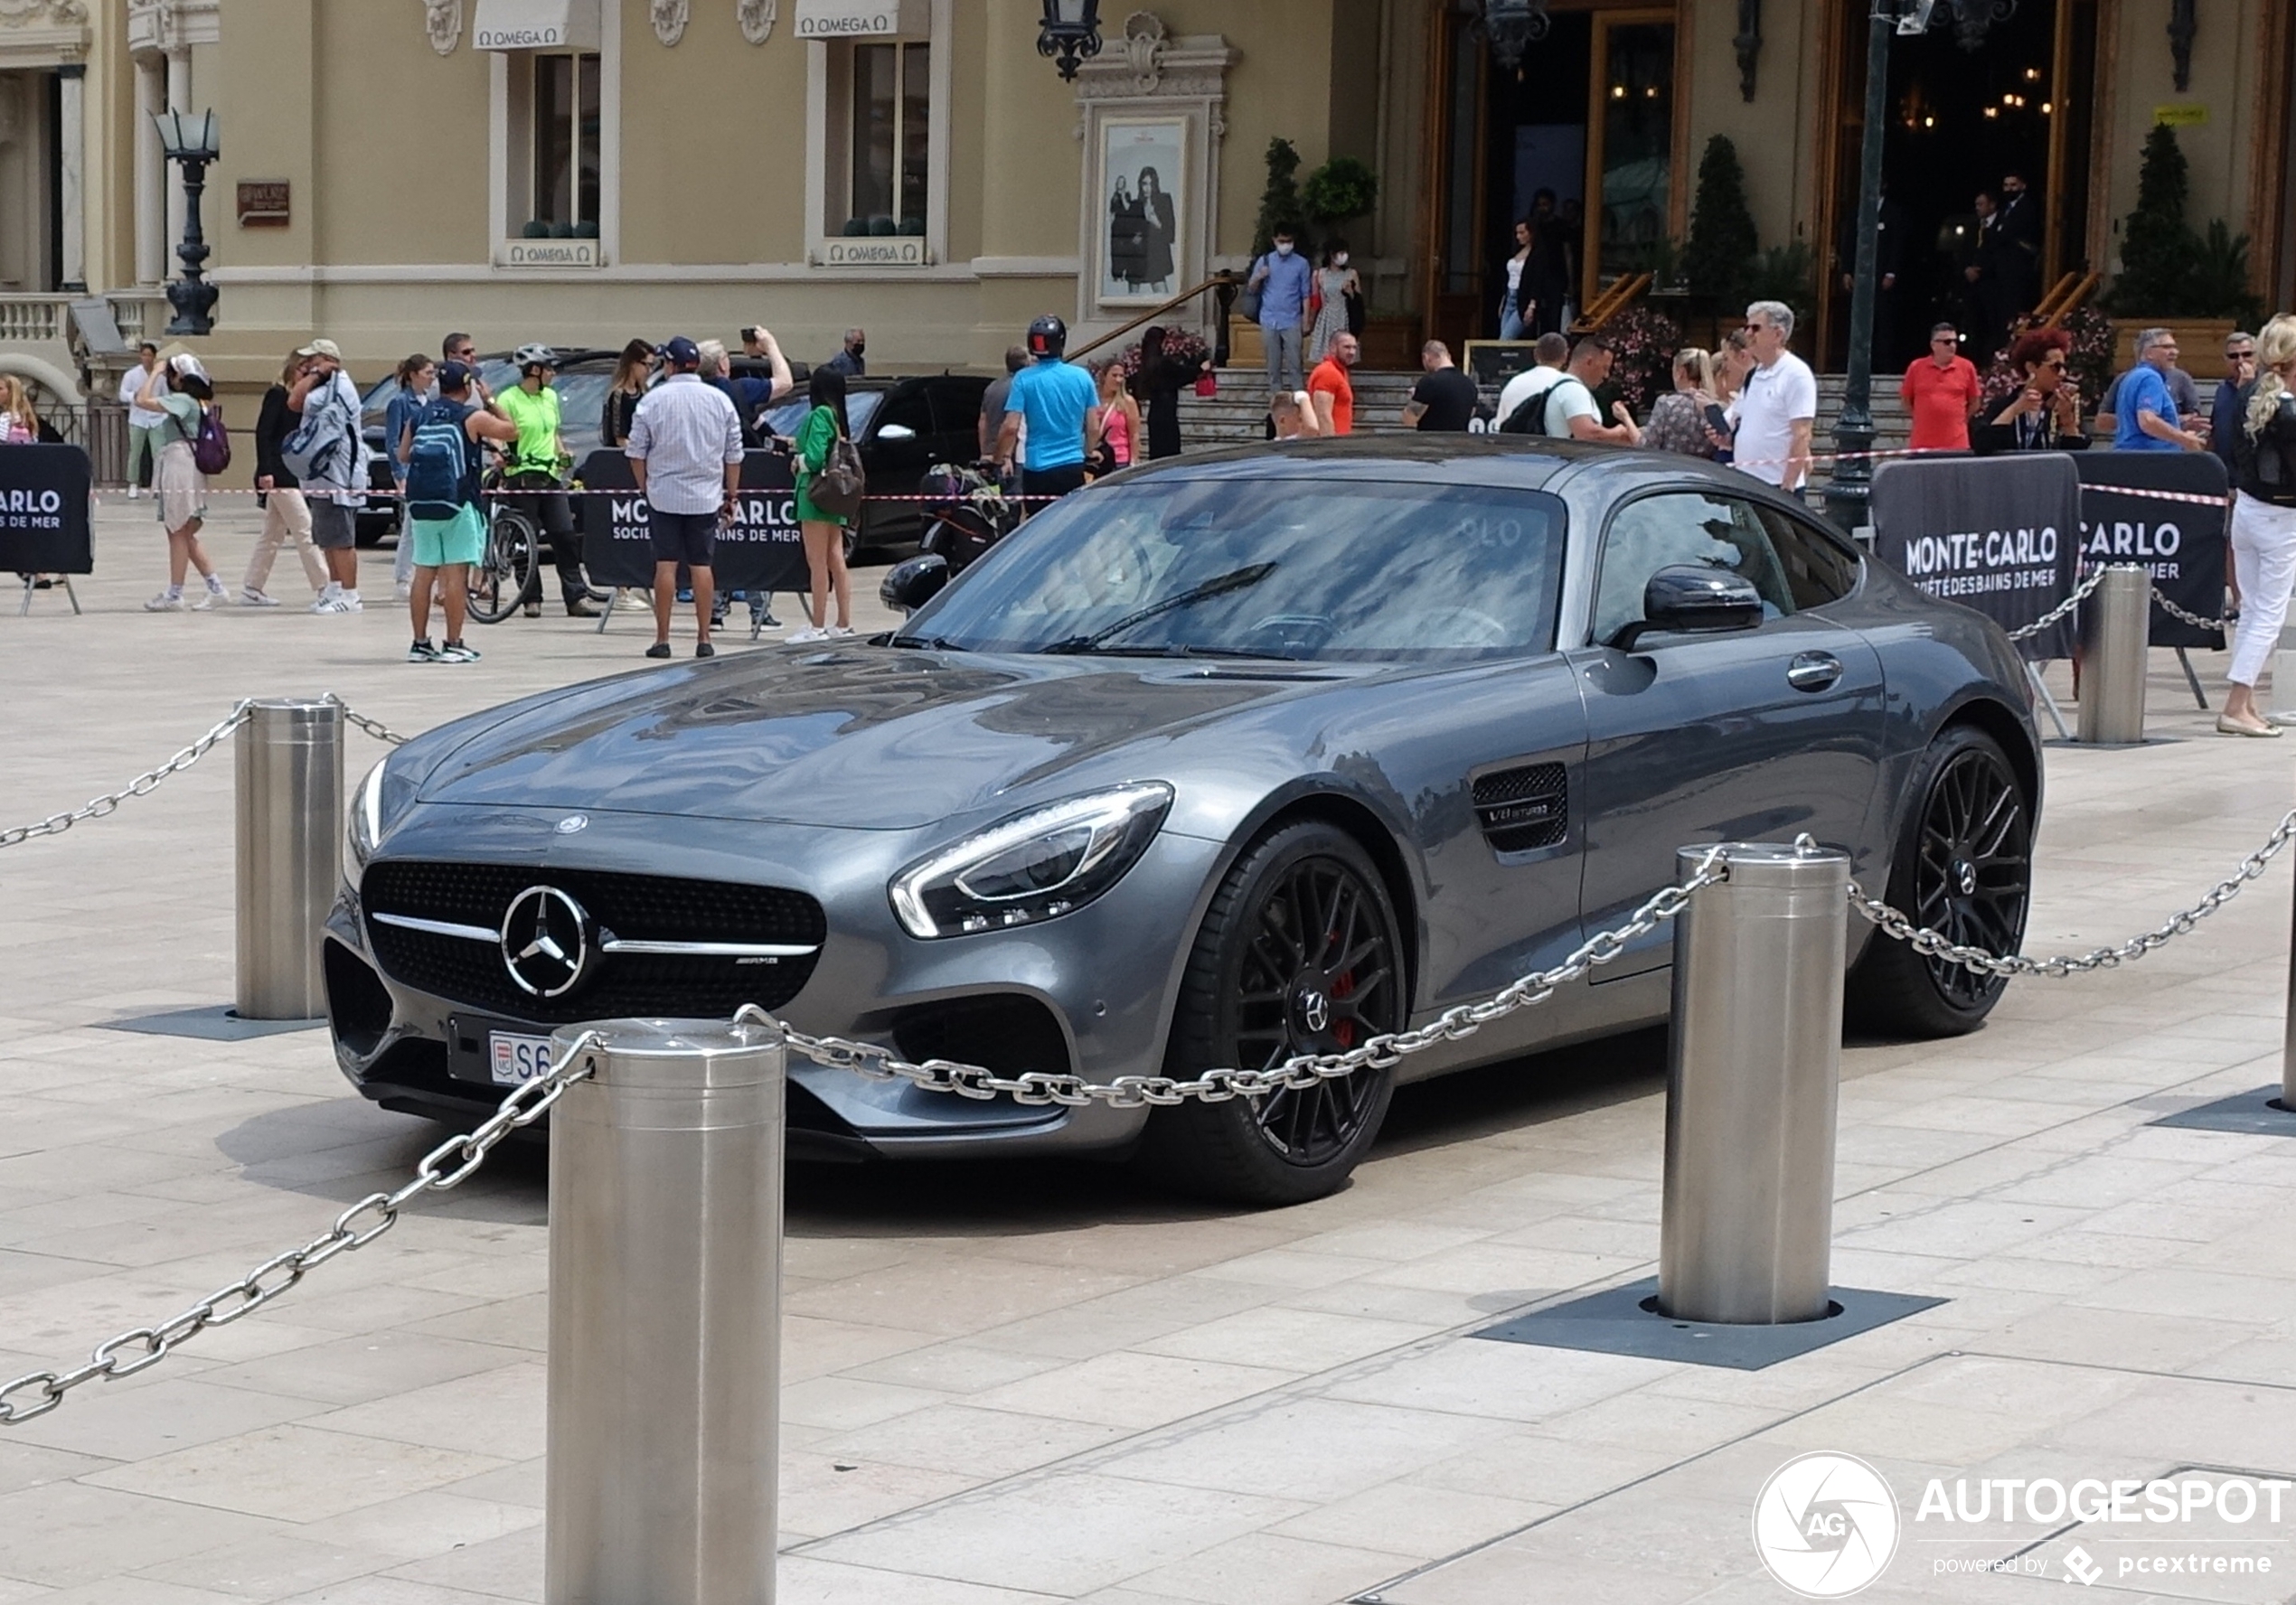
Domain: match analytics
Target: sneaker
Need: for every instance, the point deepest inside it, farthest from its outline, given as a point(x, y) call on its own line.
point(403, 591)
point(167, 602)
point(533, 610)
point(251, 598)
point(763, 618)
point(422, 652)
point(206, 599)
point(838, 631)
point(578, 608)
point(659, 649)
point(337, 603)
point(702, 648)
point(455, 651)
point(135, 494)
point(686, 596)
point(807, 634)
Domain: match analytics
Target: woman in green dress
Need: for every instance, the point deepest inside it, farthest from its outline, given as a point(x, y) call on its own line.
point(824, 532)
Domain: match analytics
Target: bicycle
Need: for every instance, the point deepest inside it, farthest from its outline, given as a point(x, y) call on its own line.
point(508, 576)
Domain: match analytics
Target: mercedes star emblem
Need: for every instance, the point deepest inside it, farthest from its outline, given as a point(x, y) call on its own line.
point(1316, 1011)
point(546, 942)
point(573, 822)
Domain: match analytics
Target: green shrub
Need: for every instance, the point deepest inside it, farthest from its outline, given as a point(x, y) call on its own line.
point(1279, 203)
point(1342, 188)
point(1719, 253)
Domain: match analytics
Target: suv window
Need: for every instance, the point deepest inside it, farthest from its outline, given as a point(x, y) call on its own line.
point(910, 406)
point(1818, 568)
point(1694, 526)
point(956, 403)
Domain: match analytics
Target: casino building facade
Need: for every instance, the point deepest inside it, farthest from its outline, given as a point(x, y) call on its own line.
point(579, 170)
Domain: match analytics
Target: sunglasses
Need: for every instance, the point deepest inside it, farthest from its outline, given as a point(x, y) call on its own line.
point(1945, 340)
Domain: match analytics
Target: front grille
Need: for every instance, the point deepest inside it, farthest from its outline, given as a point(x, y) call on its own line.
point(635, 908)
point(1522, 809)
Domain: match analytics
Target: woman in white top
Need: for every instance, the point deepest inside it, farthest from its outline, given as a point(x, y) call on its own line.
point(180, 389)
point(1511, 325)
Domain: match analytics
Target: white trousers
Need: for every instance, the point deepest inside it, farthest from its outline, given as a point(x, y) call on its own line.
point(2264, 560)
point(286, 522)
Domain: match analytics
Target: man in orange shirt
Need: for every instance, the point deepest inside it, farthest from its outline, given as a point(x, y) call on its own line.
point(1334, 393)
point(1942, 392)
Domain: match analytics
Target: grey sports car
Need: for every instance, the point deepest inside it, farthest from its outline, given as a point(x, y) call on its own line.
point(1226, 758)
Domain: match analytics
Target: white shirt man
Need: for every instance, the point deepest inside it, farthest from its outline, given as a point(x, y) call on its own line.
point(1777, 406)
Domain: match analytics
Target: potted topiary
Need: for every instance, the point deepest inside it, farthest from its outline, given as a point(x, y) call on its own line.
point(2195, 283)
point(1717, 259)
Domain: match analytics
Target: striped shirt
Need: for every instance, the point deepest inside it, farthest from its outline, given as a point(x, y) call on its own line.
point(685, 432)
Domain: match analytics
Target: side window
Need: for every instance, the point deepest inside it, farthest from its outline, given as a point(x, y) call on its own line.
point(1818, 569)
point(1692, 526)
point(956, 404)
point(912, 407)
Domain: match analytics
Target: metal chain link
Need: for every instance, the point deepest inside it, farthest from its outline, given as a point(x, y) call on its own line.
point(368, 1219)
point(144, 785)
point(1218, 1086)
point(2058, 613)
point(1937, 946)
point(2168, 606)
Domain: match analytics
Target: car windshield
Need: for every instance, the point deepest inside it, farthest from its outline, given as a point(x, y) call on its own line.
point(860, 406)
point(1273, 568)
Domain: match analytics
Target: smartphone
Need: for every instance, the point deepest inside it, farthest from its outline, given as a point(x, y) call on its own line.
point(749, 334)
point(1718, 420)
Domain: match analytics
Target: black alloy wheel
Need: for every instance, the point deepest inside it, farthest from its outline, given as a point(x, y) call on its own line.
point(1299, 954)
point(1963, 868)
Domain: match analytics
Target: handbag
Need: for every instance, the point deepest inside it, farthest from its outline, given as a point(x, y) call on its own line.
point(841, 483)
point(1208, 384)
point(1247, 298)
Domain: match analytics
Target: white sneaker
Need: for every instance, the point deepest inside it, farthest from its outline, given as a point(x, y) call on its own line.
point(133, 494)
point(251, 598)
point(402, 591)
point(337, 604)
point(797, 637)
point(838, 631)
point(167, 602)
point(204, 600)
point(356, 605)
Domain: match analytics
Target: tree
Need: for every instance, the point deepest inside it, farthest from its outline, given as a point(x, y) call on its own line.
point(1279, 203)
point(1342, 188)
point(2157, 249)
point(1719, 254)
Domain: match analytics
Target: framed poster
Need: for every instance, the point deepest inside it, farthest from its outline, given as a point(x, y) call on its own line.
point(1142, 187)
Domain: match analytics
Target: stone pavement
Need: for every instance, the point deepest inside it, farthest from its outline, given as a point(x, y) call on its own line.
point(1038, 1383)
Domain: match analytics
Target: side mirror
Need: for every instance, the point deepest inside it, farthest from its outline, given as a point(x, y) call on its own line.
point(1686, 599)
point(896, 432)
point(909, 585)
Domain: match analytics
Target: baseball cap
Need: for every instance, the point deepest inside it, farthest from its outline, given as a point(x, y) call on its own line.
point(454, 376)
point(680, 350)
point(322, 348)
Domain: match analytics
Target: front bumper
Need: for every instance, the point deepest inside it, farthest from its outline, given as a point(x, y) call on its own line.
point(1098, 984)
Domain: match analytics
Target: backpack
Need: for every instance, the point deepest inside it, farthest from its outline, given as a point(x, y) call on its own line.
point(212, 446)
point(838, 489)
point(315, 445)
point(1523, 420)
point(438, 462)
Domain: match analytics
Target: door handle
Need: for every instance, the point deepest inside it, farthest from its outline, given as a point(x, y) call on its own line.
point(1813, 672)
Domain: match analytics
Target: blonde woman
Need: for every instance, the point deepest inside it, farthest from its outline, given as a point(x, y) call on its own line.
point(2264, 524)
point(1114, 438)
point(180, 388)
point(19, 425)
point(1680, 420)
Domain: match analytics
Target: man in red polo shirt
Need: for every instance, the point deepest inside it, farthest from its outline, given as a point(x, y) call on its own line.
point(1940, 391)
point(1333, 391)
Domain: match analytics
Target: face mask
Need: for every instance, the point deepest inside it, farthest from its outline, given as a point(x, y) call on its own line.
point(1282, 248)
point(1338, 258)
point(860, 346)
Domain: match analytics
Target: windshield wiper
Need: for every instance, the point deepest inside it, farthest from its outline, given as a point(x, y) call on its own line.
point(925, 642)
point(1218, 586)
point(1185, 652)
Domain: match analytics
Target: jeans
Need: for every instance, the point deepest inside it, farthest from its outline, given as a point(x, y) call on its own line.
point(1510, 322)
point(1284, 370)
point(402, 563)
point(2263, 559)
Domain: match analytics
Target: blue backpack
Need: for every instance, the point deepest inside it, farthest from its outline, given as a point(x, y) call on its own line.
point(438, 462)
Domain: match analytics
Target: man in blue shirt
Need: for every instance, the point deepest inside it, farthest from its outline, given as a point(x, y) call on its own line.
point(2145, 415)
point(1061, 406)
point(1283, 276)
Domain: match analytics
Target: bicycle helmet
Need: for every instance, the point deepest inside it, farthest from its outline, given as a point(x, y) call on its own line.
point(535, 356)
point(1048, 337)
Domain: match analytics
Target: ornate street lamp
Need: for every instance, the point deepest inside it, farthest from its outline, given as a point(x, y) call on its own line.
point(1512, 26)
point(1973, 19)
point(1071, 33)
point(1849, 490)
point(190, 138)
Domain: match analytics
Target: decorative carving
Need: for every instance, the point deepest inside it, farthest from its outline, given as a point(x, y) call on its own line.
point(70, 13)
point(669, 19)
point(172, 26)
point(443, 21)
point(757, 18)
point(1144, 49)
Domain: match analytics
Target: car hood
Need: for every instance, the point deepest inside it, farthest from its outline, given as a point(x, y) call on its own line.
point(866, 737)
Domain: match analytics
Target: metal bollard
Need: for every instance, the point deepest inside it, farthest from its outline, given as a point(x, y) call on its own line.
point(665, 1387)
point(289, 763)
point(2288, 1038)
point(2113, 667)
point(1753, 1073)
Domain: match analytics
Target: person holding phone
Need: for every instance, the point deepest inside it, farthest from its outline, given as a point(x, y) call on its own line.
point(1687, 418)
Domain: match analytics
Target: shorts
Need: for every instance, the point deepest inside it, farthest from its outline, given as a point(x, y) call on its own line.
point(686, 538)
point(333, 526)
point(1052, 481)
point(439, 542)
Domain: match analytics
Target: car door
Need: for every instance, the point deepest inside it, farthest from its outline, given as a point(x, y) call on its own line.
point(957, 416)
point(898, 448)
point(1755, 734)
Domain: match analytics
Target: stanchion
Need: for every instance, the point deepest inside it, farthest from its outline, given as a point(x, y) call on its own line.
point(289, 761)
point(665, 1317)
point(2113, 667)
point(1752, 1073)
point(2288, 1029)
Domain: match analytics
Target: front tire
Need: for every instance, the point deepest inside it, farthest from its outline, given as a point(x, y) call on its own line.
point(1300, 952)
point(1963, 867)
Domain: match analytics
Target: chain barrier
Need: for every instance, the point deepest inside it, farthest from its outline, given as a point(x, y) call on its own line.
point(2168, 606)
point(1936, 945)
point(33, 1395)
point(2057, 615)
point(1218, 1086)
point(144, 785)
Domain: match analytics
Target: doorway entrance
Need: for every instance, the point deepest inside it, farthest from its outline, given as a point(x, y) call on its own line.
point(1960, 120)
point(1590, 115)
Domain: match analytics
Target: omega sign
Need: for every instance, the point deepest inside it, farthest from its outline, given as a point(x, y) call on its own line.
point(848, 23)
point(552, 36)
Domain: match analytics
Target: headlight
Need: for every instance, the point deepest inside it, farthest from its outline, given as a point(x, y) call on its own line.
point(364, 827)
point(1036, 865)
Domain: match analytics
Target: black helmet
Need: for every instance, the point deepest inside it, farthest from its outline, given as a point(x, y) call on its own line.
point(1047, 336)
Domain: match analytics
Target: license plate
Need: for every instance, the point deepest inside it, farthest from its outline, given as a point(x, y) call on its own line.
point(515, 1059)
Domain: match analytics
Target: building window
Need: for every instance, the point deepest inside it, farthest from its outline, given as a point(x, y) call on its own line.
point(892, 139)
point(563, 113)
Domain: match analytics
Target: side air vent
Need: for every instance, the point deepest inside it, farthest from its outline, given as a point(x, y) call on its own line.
point(1525, 808)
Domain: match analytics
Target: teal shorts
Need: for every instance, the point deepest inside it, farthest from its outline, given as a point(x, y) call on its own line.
point(461, 538)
